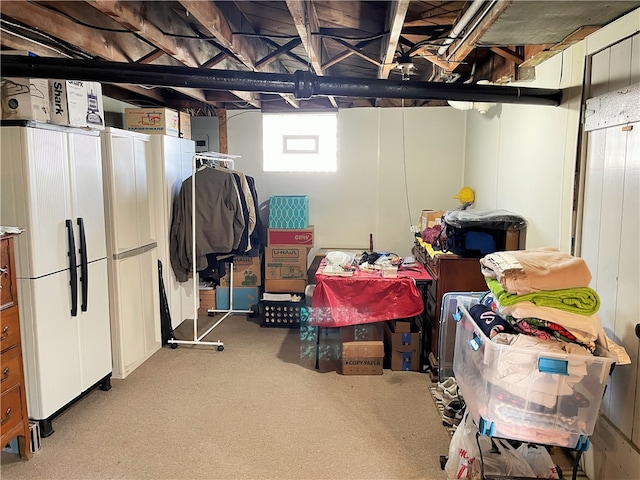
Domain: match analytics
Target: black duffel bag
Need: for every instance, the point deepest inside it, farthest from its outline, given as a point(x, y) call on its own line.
point(476, 233)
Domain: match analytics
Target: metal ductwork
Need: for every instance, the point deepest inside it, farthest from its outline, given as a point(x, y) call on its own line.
point(302, 84)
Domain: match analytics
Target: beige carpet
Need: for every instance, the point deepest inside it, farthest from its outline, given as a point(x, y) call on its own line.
point(249, 412)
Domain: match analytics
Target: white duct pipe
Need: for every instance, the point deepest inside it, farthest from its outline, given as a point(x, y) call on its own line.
point(459, 27)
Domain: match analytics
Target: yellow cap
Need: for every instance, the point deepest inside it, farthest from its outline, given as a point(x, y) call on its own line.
point(466, 195)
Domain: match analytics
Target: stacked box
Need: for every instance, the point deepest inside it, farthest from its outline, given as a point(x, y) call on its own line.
point(285, 269)
point(290, 236)
point(366, 331)
point(152, 120)
point(289, 211)
point(207, 300)
point(184, 125)
point(362, 358)
point(244, 298)
point(25, 99)
point(246, 272)
point(76, 103)
point(402, 345)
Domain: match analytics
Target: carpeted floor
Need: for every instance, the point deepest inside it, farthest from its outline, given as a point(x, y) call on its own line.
point(249, 412)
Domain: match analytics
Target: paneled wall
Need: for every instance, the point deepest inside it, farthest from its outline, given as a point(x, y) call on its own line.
point(609, 242)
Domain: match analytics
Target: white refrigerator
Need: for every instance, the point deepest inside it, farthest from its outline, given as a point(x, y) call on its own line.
point(132, 259)
point(172, 164)
point(51, 185)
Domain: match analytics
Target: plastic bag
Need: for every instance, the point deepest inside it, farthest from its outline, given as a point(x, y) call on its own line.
point(464, 454)
point(506, 461)
point(539, 460)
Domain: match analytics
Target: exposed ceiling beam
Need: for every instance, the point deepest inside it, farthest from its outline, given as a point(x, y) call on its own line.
point(304, 17)
point(508, 54)
point(460, 49)
point(247, 50)
point(397, 14)
point(135, 16)
point(107, 45)
point(18, 42)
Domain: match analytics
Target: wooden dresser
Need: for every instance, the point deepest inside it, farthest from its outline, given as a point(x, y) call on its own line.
point(15, 422)
point(450, 273)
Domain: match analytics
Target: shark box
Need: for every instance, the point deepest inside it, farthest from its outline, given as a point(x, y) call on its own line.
point(25, 99)
point(76, 103)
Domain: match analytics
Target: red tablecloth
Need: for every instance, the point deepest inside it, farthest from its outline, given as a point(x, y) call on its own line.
point(366, 297)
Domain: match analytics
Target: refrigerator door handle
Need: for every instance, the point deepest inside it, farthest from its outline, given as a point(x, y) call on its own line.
point(73, 268)
point(84, 266)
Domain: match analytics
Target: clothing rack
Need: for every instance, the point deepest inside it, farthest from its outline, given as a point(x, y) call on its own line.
point(211, 159)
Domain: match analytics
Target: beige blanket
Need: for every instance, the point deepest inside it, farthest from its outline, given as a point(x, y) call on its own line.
point(525, 271)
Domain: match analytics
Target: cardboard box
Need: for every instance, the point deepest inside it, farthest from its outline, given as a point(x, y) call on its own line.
point(289, 211)
point(363, 332)
point(402, 349)
point(25, 99)
point(285, 263)
point(287, 236)
point(184, 125)
point(76, 103)
point(285, 286)
point(429, 218)
point(246, 272)
point(244, 298)
point(362, 358)
point(152, 120)
point(207, 300)
point(400, 326)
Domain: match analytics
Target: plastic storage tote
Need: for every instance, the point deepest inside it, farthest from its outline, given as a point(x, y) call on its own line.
point(529, 395)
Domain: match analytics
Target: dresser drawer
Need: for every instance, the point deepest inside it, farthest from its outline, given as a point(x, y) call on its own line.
point(9, 328)
point(11, 410)
point(10, 369)
point(7, 277)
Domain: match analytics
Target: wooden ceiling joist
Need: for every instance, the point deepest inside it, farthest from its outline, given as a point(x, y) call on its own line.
point(304, 16)
point(134, 16)
point(247, 50)
point(397, 14)
point(107, 45)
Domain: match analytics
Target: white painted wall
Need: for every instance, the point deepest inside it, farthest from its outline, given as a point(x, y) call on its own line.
point(392, 163)
point(522, 157)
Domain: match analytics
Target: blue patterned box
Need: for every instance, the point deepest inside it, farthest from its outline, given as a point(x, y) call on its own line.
point(289, 211)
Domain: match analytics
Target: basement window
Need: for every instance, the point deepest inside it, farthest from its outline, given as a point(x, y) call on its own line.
point(294, 142)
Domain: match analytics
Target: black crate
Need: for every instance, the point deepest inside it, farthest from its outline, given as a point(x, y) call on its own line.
point(282, 314)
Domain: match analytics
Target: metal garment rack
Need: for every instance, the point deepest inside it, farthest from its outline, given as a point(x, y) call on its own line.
point(212, 160)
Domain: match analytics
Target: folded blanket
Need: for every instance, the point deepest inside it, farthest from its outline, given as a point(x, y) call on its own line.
point(584, 301)
point(527, 271)
point(586, 328)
